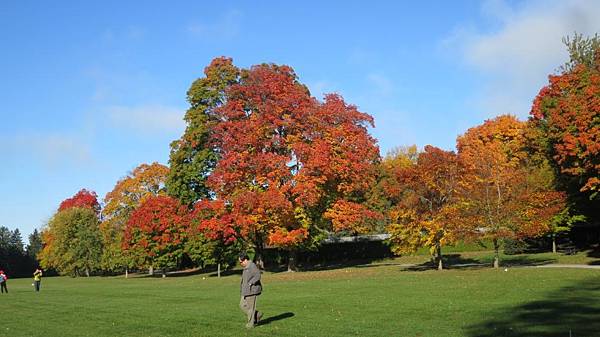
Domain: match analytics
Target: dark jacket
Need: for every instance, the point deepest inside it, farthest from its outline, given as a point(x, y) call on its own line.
point(250, 284)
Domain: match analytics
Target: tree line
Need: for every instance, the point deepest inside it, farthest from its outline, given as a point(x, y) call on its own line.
point(16, 258)
point(263, 163)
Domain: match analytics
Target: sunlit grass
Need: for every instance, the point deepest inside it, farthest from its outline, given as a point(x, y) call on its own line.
point(366, 300)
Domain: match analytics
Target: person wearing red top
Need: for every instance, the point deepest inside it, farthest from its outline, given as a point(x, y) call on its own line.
point(3, 279)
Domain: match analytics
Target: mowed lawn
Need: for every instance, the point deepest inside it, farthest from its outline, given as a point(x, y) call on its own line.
point(369, 300)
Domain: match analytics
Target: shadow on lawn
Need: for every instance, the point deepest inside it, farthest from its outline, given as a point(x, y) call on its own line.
point(569, 311)
point(595, 253)
point(361, 263)
point(279, 317)
point(456, 261)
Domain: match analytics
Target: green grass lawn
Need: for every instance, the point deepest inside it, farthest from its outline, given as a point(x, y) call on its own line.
point(368, 300)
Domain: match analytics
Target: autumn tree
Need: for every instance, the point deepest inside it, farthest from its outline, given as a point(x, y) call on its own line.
point(156, 233)
point(144, 181)
point(386, 192)
point(287, 158)
point(72, 242)
point(212, 236)
point(567, 114)
point(502, 198)
point(192, 156)
point(427, 213)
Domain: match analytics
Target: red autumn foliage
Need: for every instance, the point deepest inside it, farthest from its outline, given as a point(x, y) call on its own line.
point(211, 218)
point(156, 230)
point(568, 111)
point(285, 155)
point(83, 199)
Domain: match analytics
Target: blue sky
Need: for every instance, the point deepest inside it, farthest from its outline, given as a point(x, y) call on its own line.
point(90, 90)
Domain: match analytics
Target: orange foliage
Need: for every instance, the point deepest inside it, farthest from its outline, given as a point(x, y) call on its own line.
point(351, 217)
point(499, 197)
point(285, 155)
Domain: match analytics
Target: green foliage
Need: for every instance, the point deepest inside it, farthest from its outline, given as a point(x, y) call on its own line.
point(192, 156)
point(205, 252)
point(76, 246)
point(35, 244)
point(13, 258)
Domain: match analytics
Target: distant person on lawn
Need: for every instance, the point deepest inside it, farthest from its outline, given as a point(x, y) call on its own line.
point(3, 279)
point(37, 279)
point(250, 288)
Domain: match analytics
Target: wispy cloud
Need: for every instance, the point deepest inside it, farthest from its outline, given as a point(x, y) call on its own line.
point(517, 57)
point(380, 84)
point(363, 57)
point(51, 149)
point(226, 26)
point(147, 118)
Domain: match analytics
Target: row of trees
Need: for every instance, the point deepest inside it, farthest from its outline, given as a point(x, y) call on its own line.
point(263, 163)
point(16, 259)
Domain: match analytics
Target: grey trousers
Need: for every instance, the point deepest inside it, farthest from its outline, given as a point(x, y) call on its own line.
point(248, 306)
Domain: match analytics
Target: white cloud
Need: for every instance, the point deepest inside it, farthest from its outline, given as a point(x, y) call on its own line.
point(51, 149)
point(517, 58)
point(147, 118)
point(226, 26)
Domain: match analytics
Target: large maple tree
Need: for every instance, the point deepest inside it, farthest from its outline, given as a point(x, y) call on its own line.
point(567, 114)
point(287, 158)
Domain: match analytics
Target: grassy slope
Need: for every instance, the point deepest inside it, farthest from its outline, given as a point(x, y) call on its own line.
point(372, 300)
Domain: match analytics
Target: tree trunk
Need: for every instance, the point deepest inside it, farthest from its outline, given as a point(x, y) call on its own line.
point(496, 254)
point(554, 243)
point(219, 269)
point(438, 252)
point(87, 272)
point(292, 260)
point(151, 271)
point(126, 272)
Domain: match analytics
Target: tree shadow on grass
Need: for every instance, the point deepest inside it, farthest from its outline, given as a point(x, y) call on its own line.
point(456, 261)
point(525, 261)
point(327, 265)
point(279, 317)
point(227, 272)
point(569, 311)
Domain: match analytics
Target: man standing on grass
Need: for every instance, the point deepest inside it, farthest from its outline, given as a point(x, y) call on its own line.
point(250, 288)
